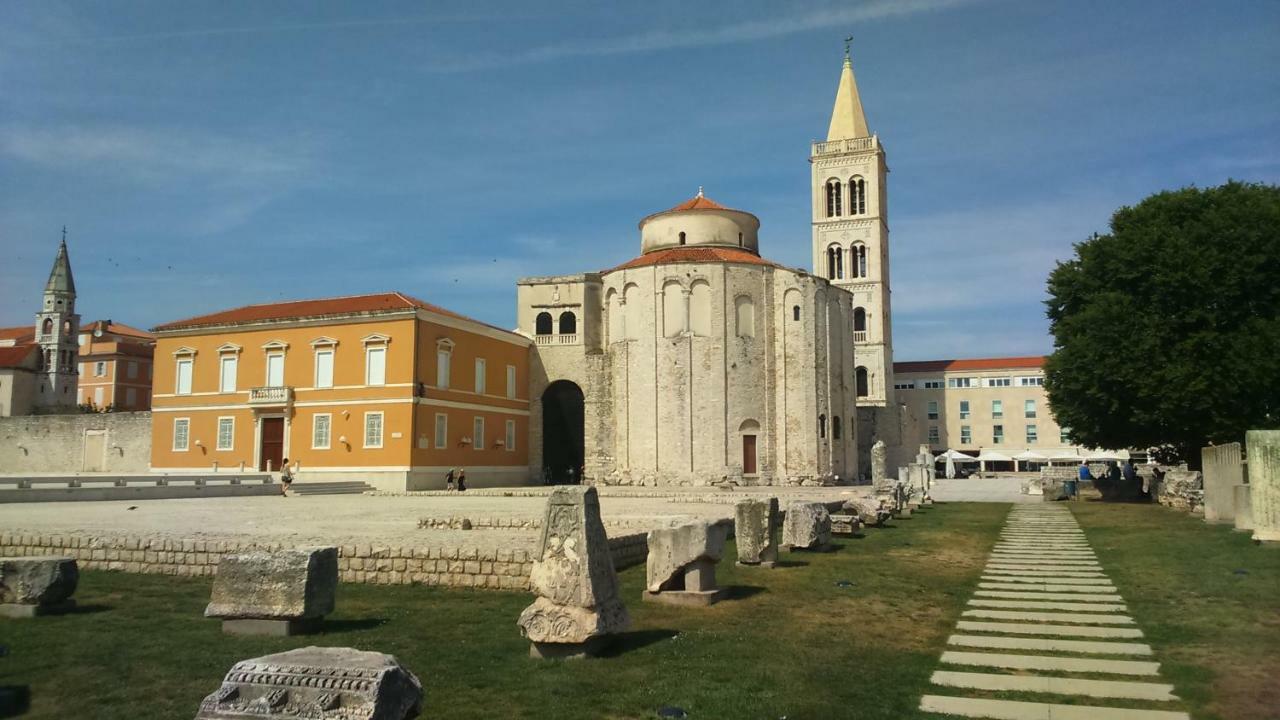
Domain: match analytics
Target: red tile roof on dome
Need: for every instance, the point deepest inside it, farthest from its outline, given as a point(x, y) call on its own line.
point(1006, 363)
point(322, 307)
point(695, 255)
point(698, 202)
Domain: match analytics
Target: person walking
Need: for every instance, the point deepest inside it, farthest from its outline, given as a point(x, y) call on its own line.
point(448, 480)
point(286, 477)
point(462, 479)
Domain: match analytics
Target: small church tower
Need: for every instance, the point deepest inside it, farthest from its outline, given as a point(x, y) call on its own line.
point(851, 235)
point(57, 333)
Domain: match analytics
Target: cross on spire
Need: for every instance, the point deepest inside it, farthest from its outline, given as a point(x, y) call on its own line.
point(847, 42)
point(699, 191)
point(64, 234)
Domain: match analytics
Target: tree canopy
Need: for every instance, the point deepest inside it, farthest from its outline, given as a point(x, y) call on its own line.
point(1167, 329)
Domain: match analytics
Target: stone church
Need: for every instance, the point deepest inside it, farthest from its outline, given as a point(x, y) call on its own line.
point(700, 361)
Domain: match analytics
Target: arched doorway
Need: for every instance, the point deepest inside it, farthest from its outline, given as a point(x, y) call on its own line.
point(563, 446)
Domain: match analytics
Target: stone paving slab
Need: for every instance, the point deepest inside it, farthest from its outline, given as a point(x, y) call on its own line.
point(1091, 647)
point(1035, 595)
point(1078, 618)
point(1127, 689)
point(1053, 572)
point(1085, 564)
point(1050, 662)
point(1048, 587)
point(1018, 710)
point(1041, 605)
point(1060, 630)
point(1058, 580)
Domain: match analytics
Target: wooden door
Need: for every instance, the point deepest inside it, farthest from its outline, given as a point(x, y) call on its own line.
point(95, 451)
point(272, 444)
point(749, 454)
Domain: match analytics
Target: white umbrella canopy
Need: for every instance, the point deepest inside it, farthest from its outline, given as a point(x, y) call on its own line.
point(993, 456)
point(1067, 454)
point(1100, 455)
point(951, 468)
point(1031, 456)
point(956, 456)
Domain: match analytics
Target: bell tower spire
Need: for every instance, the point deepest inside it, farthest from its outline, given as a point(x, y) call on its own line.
point(57, 333)
point(847, 119)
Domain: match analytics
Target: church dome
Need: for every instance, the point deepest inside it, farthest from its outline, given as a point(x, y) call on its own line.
point(700, 221)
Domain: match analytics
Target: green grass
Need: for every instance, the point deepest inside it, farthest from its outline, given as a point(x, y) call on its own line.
point(1206, 597)
point(791, 644)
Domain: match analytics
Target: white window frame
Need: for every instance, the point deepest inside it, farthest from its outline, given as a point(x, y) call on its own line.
point(231, 441)
point(131, 370)
point(190, 363)
point(267, 369)
point(935, 435)
point(1033, 433)
point(319, 381)
point(477, 432)
point(382, 428)
point(370, 352)
point(908, 385)
point(999, 382)
point(222, 375)
point(100, 368)
point(997, 434)
point(441, 431)
point(932, 411)
point(510, 440)
point(511, 382)
point(1029, 409)
point(482, 370)
point(964, 409)
point(960, 382)
point(966, 435)
point(997, 409)
point(444, 362)
point(933, 384)
point(185, 424)
point(328, 431)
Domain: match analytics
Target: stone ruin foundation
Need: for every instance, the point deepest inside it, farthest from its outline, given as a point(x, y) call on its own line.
point(681, 568)
point(40, 585)
point(286, 592)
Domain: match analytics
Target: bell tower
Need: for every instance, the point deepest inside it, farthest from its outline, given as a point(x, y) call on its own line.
point(851, 235)
point(57, 333)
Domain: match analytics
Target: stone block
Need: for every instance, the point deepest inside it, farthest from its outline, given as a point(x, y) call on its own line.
point(681, 566)
point(1223, 470)
point(283, 585)
point(845, 524)
point(329, 683)
point(38, 585)
point(1264, 483)
point(807, 527)
point(756, 527)
point(574, 578)
point(1244, 508)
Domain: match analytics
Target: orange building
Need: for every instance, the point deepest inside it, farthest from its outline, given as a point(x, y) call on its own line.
point(115, 366)
point(383, 388)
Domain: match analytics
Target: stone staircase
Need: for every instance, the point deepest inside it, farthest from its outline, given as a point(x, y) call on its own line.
point(336, 487)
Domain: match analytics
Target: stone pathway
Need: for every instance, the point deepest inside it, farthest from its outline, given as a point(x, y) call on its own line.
point(1046, 621)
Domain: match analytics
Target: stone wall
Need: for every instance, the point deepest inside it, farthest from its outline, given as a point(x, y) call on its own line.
point(1223, 470)
point(1182, 489)
point(374, 564)
point(93, 442)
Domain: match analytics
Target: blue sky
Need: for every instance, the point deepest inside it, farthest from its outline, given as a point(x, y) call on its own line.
point(211, 154)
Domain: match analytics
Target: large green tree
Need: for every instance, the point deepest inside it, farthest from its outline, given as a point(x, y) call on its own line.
point(1167, 329)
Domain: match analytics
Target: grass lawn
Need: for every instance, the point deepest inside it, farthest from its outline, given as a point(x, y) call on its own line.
point(1207, 598)
point(792, 643)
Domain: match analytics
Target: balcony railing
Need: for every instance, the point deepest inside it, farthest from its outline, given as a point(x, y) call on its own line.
point(859, 335)
point(273, 395)
point(834, 147)
point(556, 339)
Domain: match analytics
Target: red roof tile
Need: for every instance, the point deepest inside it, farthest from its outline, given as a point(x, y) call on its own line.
point(322, 307)
point(698, 202)
point(1006, 363)
point(689, 254)
point(22, 333)
point(117, 328)
point(12, 357)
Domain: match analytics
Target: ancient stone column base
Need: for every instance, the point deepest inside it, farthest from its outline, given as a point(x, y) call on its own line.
point(1270, 538)
point(568, 651)
point(685, 598)
point(275, 628)
point(814, 549)
point(761, 564)
point(18, 610)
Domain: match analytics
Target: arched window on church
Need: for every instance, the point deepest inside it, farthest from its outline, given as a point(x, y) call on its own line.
point(862, 261)
point(861, 386)
point(543, 325)
point(835, 263)
point(795, 312)
point(834, 198)
point(46, 328)
point(568, 323)
point(835, 427)
point(859, 322)
point(858, 261)
point(682, 238)
point(857, 196)
point(822, 426)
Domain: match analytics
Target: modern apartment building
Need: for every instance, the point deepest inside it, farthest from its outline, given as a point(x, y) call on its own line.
point(980, 404)
point(383, 388)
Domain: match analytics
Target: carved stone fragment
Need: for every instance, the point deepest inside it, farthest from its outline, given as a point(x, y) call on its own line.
point(318, 683)
point(845, 524)
point(879, 473)
point(756, 525)
point(807, 526)
point(274, 593)
point(681, 568)
point(869, 511)
point(38, 585)
point(573, 576)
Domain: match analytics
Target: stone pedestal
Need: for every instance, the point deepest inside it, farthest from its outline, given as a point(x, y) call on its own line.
point(879, 467)
point(578, 606)
point(37, 585)
point(1264, 483)
point(756, 526)
point(1244, 508)
point(1222, 471)
point(274, 593)
point(807, 527)
point(681, 567)
point(317, 683)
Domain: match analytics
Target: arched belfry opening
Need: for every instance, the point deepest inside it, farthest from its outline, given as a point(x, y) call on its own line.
point(563, 445)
